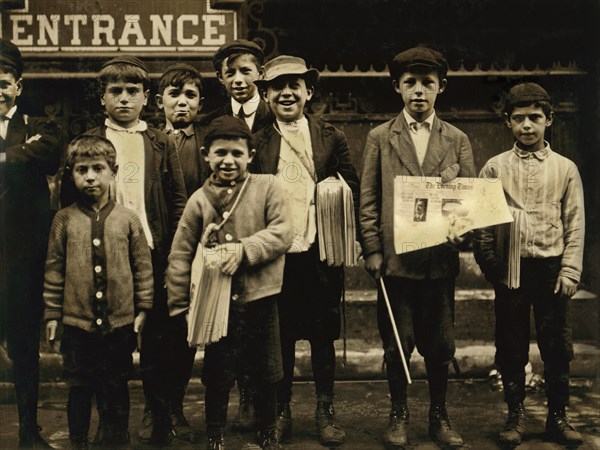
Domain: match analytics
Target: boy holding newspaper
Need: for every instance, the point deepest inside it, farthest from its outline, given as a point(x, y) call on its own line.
point(245, 221)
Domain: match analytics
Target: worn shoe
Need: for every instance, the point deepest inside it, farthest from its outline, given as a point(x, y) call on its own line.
point(244, 420)
point(440, 429)
point(31, 438)
point(182, 429)
point(145, 431)
point(216, 442)
point(329, 432)
point(395, 436)
point(269, 439)
point(560, 430)
point(514, 429)
point(284, 421)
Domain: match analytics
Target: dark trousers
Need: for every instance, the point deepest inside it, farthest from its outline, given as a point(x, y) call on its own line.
point(24, 347)
point(554, 337)
point(180, 362)
point(252, 342)
point(423, 311)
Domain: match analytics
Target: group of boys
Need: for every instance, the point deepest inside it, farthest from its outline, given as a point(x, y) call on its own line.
point(138, 203)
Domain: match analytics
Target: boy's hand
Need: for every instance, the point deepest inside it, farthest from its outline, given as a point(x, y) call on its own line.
point(232, 256)
point(357, 249)
point(373, 265)
point(35, 137)
point(51, 327)
point(565, 286)
point(138, 326)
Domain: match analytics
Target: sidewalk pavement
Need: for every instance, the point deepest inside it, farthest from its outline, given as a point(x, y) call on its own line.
point(475, 407)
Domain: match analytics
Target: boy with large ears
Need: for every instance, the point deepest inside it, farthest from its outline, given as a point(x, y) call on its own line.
point(420, 284)
point(302, 151)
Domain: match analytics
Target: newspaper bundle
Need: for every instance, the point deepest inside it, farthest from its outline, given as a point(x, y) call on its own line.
point(426, 210)
point(210, 293)
point(336, 225)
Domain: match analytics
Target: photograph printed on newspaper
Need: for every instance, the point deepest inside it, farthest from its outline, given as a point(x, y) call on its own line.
point(426, 210)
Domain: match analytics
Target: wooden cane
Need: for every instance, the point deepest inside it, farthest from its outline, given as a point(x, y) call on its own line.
point(389, 308)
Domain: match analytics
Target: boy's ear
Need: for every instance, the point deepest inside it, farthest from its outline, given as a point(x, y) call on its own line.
point(507, 120)
point(159, 101)
point(146, 95)
point(309, 92)
point(396, 86)
point(443, 84)
point(263, 94)
point(204, 152)
point(115, 170)
point(550, 119)
point(251, 154)
point(19, 84)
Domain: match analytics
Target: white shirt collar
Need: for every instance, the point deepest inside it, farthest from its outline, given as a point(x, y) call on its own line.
point(410, 119)
point(140, 127)
point(11, 112)
point(250, 106)
point(300, 123)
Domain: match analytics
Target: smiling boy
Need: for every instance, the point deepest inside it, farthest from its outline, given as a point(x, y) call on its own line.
point(544, 191)
point(420, 284)
point(252, 224)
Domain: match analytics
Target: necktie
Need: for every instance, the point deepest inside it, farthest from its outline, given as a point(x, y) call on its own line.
point(241, 114)
point(296, 141)
point(416, 126)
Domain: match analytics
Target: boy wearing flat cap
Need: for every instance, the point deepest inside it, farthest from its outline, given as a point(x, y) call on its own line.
point(247, 218)
point(302, 151)
point(420, 284)
point(150, 182)
point(29, 151)
point(238, 65)
point(544, 191)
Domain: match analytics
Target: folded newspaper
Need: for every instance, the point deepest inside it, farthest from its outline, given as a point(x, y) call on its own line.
point(426, 210)
point(210, 293)
point(336, 225)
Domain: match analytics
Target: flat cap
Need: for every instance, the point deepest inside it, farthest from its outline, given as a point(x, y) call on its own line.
point(227, 127)
point(10, 55)
point(287, 65)
point(418, 56)
point(183, 68)
point(526, 92)
point(237, 46)
point(126, 59)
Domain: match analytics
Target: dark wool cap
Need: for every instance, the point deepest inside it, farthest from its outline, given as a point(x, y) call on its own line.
point(126, 60)
point(527, 92)
point(418, 56)
point(227, 127)
point(181, 66)
point(10, 55)
point(237, 46)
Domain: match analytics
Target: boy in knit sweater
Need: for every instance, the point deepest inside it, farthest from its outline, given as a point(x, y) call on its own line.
point(252, 227)
point(99, 284)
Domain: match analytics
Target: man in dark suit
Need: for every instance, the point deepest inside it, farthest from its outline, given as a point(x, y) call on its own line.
point(302, 151)
point(29, 151)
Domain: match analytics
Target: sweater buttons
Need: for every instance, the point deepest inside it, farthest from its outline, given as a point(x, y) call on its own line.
point(230, 191)
point(99, 295)
point(228, 237)
point(225, 214)
point(98, 322)
point(96, 242)
point(98, 269)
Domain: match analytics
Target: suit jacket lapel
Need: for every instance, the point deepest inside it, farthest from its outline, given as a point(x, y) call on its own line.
point(152, 161)
point(435, 150)
point(263, 116)
point(320, 147)
point(16, 132)
point(403, 145)
point(268, 151)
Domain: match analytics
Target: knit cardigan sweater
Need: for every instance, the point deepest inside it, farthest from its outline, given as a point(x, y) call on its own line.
point(261, 222)
point(102, 255)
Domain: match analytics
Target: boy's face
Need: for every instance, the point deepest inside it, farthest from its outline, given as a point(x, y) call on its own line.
point(528, 124)
point(228, 158)
point(419, 89)
point(238, 77)
point(287, 95)
point(92, 177)
point(10, 89)
point(124, 102)
point(181, 105)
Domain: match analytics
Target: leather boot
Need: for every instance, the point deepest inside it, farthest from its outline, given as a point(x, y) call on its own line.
point(145, 431)
point(80, 443)
point(244, 421)
point(182, 429)
point(440, 429)
point(269, 439)
point(284, 421)
point(395, 436)
point(560, 430)
point(515, 426)
point(29, 437)
point(216, 438)
point(329, 432)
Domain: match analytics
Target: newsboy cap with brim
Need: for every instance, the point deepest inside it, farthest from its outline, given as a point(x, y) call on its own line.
point(415, 57)
point(126, 59)
point(10, 55)
point(527, 92)
point(286, 65)
point(227, 127)
point(237, 46)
